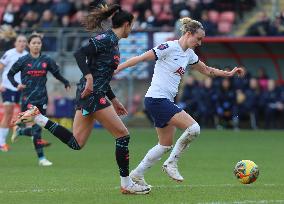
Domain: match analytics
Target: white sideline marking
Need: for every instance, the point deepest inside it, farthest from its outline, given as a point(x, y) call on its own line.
point(208, 185)
point(245, 202)
point(35, 190)
point(52, 190)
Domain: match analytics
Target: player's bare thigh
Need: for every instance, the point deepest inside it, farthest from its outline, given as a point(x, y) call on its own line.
point(166, 135)
point(7, 116)
point(182, 120)
point(111, 121)
point(82, 127)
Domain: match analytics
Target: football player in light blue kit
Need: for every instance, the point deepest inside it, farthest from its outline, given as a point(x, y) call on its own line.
point(10, 95)
point(172, 58)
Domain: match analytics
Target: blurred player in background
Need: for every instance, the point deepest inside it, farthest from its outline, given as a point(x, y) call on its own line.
point(10, 94)
point(97, 60)
point(172, 58)
point(34, 67)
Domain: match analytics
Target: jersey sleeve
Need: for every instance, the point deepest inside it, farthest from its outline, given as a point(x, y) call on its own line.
point(161, 50)
point(5, 59)
point(193, 58)
point(17, 67)
point(100, 43)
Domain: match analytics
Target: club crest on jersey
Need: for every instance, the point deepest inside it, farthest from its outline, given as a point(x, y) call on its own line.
point(101, 36)
point(163, 46)
point(180, 71)
point(44, 65)
point(102, 101)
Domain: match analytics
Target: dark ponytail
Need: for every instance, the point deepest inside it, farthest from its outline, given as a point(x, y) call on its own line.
point(94, 19)
point(97, 16)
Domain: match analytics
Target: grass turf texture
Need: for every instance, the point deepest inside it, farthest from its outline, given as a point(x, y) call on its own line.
point(91, 175)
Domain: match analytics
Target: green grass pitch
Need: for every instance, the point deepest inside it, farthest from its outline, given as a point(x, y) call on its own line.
point(91, 175)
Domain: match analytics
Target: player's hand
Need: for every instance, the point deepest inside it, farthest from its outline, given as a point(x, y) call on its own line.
point(2, 88)
point(88, 87)
point(68, 87)
point(118, 107)
point(116, 71)
point(237, 70)
point(20, 87)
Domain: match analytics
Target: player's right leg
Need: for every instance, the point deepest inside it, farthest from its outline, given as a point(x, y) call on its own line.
point(4, 125)
point(111, 121)
point(82, 126)
point(9, 99)
point(165, 135)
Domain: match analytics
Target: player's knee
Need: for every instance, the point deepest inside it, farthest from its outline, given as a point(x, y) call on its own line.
point(121, 131)
point(193, 131)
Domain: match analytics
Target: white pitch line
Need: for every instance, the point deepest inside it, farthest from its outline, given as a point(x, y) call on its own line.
point(245, 202)
point(207, 185)
point(35, 190)
point(51, 190)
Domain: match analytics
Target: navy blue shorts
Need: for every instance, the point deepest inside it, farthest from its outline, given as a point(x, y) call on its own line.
point(10, 96)
point(161, 110)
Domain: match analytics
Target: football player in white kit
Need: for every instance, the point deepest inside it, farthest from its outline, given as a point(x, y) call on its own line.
point(172, 58)
point(10, 95)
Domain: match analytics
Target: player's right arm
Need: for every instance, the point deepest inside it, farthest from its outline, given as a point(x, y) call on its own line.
point(3, 62)
point(81, 56)
point(156, 53)
point(17, 67)
point(1, 68)
point(147, 56)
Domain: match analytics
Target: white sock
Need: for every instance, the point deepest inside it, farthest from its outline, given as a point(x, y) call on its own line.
point(151, 158)
point(3, 135)
point(41, 120)
point(125, 181)
point(183, 142)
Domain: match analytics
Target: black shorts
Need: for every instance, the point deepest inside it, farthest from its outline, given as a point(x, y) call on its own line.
point(42, 108)
point(92, 103)
point(9, 96)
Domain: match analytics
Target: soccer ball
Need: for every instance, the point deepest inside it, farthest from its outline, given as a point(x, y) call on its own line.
point(246, 171)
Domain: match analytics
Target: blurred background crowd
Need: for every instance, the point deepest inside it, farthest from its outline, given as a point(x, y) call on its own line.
point(257, 101)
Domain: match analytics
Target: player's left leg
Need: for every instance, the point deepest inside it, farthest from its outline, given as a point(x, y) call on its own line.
point(36, 133)
point(191, 129)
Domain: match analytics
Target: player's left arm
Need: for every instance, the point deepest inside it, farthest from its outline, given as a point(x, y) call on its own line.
point(54, 69)
point(214, 72)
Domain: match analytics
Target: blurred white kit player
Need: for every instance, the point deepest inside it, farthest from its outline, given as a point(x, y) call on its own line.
point(10, 95)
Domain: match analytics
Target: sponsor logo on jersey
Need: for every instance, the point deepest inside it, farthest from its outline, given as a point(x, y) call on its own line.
point(180, 71)
point(37, 73)
point(163, 46)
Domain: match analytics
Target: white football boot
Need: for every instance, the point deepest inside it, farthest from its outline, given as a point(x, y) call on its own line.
point(138, 179)
point(135, 188)
point(171, 169)
point(44, 162)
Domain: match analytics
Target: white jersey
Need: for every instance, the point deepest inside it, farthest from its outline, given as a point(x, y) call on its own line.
point(171, 64)
point(8, 59)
